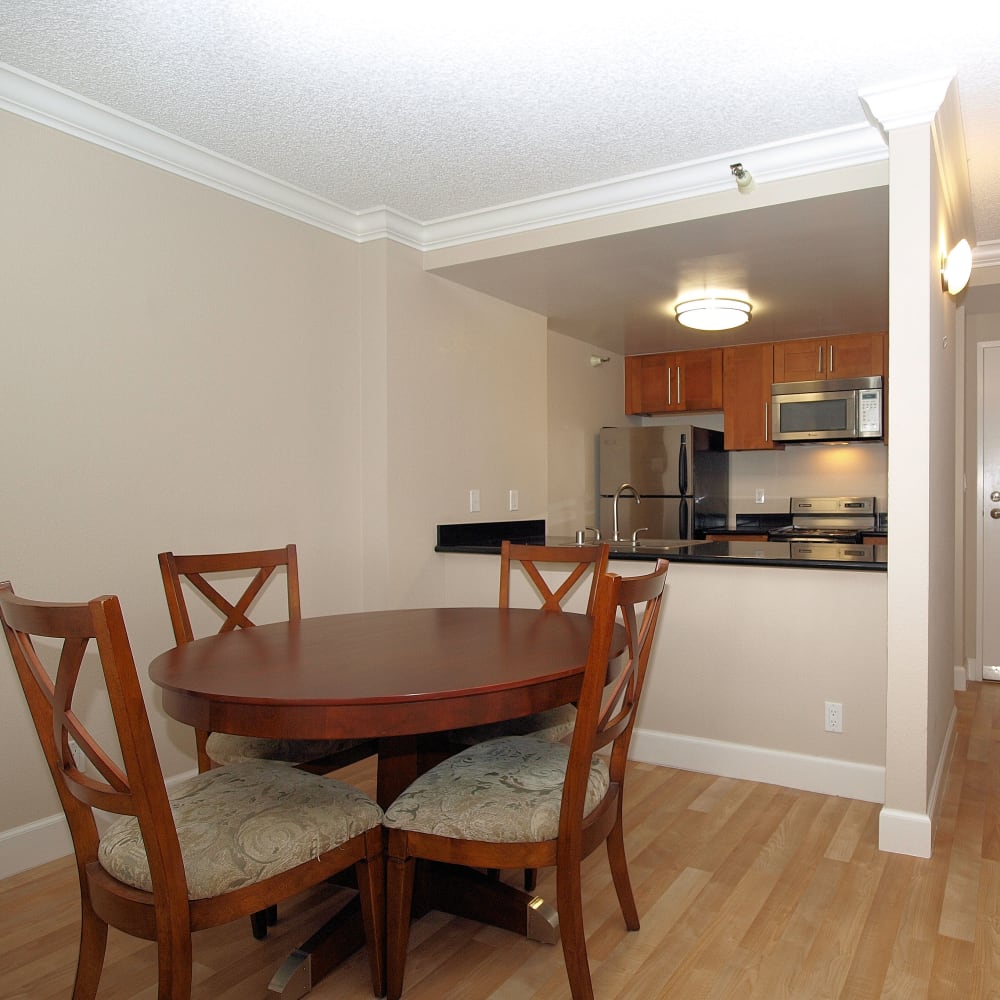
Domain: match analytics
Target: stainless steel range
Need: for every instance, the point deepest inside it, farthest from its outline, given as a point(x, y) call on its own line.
point(843, 520)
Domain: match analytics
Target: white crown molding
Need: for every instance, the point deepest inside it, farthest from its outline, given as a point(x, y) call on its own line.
point(47, 104)
point(833, 150)
point(986, 254)
point(909, 102)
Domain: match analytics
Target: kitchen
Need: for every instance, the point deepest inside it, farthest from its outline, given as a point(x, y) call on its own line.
point(739, 687)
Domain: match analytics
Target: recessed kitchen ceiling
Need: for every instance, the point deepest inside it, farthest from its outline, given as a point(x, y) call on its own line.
point(815, 267)
point(442, 110)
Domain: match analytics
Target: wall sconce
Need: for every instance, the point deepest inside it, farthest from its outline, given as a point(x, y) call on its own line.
point(744, 179)
point(713, 314)
point(956, 267)
point(596, 361)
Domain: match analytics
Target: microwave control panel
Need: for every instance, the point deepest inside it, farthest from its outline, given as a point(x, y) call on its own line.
point(870, 411)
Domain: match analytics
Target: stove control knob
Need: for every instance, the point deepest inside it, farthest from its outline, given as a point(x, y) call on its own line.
point(995, 513)
point(995, 496)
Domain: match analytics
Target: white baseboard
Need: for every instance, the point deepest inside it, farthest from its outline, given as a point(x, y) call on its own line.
point(34, 844)
point(902, 832)
point(961, 678)
point(43, 840)
point(735, 760)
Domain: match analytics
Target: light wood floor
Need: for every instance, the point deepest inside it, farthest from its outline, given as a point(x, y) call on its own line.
point(744, 890)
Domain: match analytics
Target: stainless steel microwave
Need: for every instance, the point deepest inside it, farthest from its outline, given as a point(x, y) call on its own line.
point(832, 410)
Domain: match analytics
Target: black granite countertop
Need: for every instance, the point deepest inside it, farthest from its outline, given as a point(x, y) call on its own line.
point(486, 537)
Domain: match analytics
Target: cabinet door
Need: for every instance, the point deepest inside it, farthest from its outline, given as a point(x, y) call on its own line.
point(699, 384)
point(855, 356)
point(646, 378)
point(799, 360)
point(747, 373)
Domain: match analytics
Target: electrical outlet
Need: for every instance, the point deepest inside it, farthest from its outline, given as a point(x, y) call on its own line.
point(473, 501)
point(513, 500)
point(834, 717)
point(758, 496)
point(79, 758)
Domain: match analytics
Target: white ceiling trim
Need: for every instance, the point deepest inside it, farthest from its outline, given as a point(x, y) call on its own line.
point(909, 102)
point(55, 107)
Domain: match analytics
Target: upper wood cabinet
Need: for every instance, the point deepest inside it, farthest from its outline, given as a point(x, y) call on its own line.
point(851, 356)
point(667, 383)
point(747, 376)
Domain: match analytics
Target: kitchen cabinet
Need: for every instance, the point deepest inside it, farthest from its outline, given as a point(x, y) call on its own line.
point(747, 373)
point(854, 355)
point(676, 382)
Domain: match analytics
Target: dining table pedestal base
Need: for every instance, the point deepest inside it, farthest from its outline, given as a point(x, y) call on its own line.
point(465, 892)
point(340, 937)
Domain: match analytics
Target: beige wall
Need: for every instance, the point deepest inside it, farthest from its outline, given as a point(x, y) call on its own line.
point(172, 363)
point(581, 400)
point(181, 369)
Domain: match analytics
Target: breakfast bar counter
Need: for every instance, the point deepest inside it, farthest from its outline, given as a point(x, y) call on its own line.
point(485, 538)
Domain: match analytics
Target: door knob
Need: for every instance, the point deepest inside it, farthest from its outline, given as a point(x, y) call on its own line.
point(995, 513)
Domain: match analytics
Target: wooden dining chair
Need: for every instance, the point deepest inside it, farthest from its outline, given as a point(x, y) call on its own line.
point(575, 562)
point(319, 756)
point(219, 846)
point(526, 802)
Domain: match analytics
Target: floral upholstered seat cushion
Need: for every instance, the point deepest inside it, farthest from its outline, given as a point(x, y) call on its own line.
point(554, 724)
point(507, 790)
point(224, 748)
point(240, 824)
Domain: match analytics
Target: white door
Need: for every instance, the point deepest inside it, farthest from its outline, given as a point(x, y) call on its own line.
point(989, 508)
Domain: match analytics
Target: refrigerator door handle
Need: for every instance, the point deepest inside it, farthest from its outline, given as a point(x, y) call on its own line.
point(682, 466)
point(682, 519)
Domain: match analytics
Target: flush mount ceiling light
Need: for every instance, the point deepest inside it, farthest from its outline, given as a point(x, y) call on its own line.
point(713, 314)
point(956, 267)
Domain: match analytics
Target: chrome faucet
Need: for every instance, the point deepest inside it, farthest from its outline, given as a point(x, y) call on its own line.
point(625, 490)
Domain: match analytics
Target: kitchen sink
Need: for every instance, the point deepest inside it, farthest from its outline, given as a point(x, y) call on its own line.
point(652, 545)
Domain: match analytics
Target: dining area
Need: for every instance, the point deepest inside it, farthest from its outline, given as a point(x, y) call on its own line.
point(489, 746)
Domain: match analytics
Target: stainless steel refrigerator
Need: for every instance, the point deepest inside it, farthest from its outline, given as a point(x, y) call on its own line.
point(680, 473)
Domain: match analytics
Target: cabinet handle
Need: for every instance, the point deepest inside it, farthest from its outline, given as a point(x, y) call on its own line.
point(766, 438)
point(678, 385)
point(670, 387)
point(819, 360)
point(831, 359)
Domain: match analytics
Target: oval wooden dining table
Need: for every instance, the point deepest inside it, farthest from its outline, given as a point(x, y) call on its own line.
point(403, 677)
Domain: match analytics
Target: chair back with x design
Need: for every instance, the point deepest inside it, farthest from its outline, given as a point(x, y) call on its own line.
point(234, 614)
point(581, 558)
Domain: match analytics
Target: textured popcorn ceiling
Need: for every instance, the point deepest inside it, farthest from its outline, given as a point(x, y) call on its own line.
point(439, 108)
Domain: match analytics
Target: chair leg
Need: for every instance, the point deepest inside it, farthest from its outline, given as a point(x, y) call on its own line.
point(370, 875)
point(399, 902)
point(173, 953)
point(530, 879)
point(571, 931)
point(618, 863)
point(272, 914)
point(90, 961)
